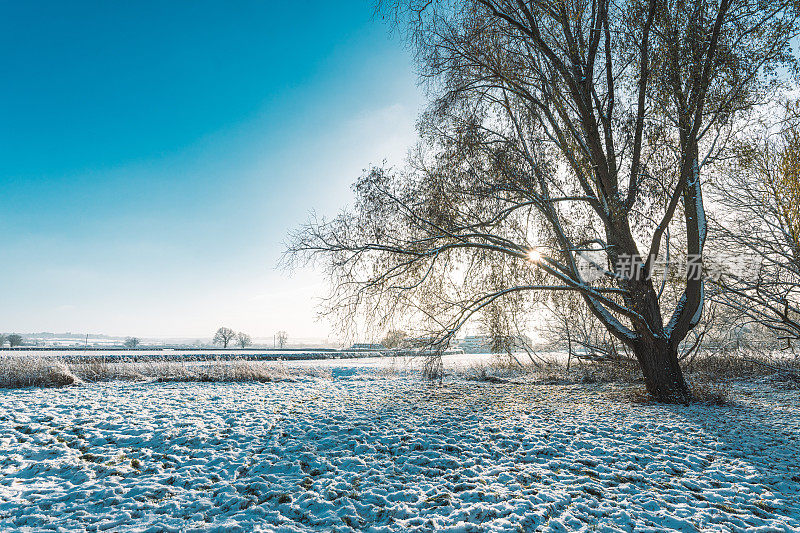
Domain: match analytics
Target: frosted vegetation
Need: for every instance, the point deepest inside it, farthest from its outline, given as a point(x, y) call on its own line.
point(29, 371)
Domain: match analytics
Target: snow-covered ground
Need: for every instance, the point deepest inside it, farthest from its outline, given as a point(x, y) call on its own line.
point(373, 449)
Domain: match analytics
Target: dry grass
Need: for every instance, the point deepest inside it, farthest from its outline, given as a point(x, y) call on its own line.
point(483, 373)
point(637, 394)
point(704, 393)
point(221, 371)
point(742, 365)
point(16, 372)
point(93, 371)
point(709, 367)
point(617, 372)
point(554, 373)
point(709, 375)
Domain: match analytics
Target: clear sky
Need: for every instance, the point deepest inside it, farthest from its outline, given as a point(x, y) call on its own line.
point(154, 155)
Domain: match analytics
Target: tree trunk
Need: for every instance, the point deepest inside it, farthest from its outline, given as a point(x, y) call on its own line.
point(569, 348)
point(662, 372)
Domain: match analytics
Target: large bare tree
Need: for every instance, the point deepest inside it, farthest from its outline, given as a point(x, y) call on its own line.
point(224, 336)
point(557, 129)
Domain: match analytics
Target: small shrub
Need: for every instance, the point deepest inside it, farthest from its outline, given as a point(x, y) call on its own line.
point(709, 393)
point(481, 373)
point(638, 395)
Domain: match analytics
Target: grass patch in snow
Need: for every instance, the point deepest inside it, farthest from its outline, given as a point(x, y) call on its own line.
point(711, 393)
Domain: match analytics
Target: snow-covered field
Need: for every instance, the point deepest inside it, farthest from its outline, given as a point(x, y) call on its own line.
point(364, 448)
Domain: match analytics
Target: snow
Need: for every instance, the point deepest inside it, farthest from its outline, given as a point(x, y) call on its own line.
point(375, 449)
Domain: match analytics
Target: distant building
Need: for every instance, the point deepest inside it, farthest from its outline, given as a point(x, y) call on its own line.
point(367, 347)
point(483, 343)
point(410, 343)
point(475, 344)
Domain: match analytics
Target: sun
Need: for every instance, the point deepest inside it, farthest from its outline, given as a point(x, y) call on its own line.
point(534, 255)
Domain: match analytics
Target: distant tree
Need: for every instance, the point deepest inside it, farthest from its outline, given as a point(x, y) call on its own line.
point(758, 229)
point(281, 338)
point(2, 340)
point(132, 342)
point(224, 336)
point(394, 338)
point(243, 339)
point(15, 340)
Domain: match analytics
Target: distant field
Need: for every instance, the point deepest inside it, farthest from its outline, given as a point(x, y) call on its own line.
point(184, 354)
point(361, 358)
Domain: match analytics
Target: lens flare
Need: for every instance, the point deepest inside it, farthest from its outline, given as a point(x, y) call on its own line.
point(534, 255)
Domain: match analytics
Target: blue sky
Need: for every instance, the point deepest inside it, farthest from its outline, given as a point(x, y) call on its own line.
point(153, 156)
